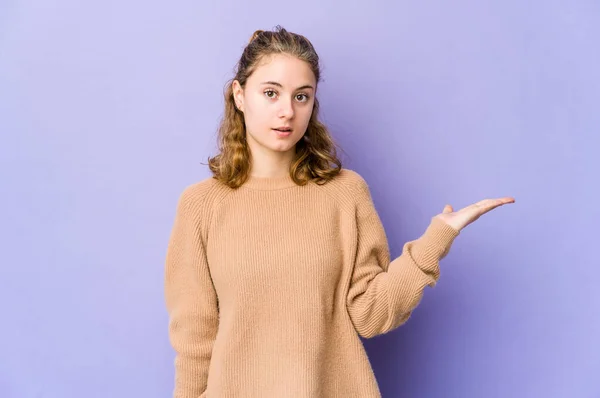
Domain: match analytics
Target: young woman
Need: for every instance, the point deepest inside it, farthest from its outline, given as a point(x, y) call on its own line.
point(279, 262)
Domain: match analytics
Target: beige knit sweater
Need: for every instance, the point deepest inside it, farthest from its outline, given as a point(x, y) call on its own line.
point(269, 286)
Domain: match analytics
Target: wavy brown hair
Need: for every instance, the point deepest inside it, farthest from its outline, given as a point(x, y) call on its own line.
point(316, 155)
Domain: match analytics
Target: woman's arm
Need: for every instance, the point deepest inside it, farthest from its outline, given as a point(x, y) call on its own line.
point(383, 294)
point(190, 297)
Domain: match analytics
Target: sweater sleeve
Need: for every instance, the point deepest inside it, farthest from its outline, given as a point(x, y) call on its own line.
point(190, 298)
point(383, 294)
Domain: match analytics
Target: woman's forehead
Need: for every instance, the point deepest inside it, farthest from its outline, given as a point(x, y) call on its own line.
point(284, 71)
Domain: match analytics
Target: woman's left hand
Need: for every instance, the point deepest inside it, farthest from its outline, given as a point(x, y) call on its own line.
point(460, 219)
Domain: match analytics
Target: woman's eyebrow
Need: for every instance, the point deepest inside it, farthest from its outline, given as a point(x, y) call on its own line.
point(279, 85)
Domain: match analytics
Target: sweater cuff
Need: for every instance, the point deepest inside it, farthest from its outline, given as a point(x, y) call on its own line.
point(434, 244)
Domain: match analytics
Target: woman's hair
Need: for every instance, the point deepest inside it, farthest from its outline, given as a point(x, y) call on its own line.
point(316, 158)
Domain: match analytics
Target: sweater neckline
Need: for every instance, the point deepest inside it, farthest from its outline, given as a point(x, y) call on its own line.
point(269, 183)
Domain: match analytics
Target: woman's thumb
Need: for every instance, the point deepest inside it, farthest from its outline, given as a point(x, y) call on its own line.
point(447, 209)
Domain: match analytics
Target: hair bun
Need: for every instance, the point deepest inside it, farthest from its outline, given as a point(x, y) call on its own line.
point(255, 35)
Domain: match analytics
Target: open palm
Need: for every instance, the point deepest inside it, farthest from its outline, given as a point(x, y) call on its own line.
point(463, 217)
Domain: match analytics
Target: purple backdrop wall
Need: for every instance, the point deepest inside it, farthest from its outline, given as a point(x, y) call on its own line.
point(107, 110)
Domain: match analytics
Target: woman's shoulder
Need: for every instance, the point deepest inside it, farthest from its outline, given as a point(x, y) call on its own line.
point(202, 191)
point(350, 180)
point(350, 177)
point(199, 187)
point(348, 185)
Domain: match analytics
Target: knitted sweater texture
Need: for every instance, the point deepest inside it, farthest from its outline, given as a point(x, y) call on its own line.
point(269, 287)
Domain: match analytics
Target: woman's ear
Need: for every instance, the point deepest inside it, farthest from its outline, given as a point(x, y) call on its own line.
point(238, 95)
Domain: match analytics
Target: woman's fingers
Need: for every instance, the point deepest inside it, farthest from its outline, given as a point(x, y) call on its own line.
point(460, 219)
point(483, 206)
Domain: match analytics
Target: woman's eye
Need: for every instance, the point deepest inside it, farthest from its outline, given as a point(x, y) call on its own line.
point(300, 97)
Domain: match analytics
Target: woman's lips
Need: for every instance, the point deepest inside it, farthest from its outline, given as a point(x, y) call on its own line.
point(282, 133)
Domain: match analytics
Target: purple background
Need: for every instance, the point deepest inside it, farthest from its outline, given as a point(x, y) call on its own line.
point(108, 108)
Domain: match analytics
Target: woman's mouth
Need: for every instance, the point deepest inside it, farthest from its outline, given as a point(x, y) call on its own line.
point(283, 132)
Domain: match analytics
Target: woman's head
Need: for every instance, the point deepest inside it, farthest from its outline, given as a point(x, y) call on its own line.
point(275, 86)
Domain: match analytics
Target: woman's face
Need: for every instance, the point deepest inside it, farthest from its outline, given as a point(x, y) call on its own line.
point(280, 93)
